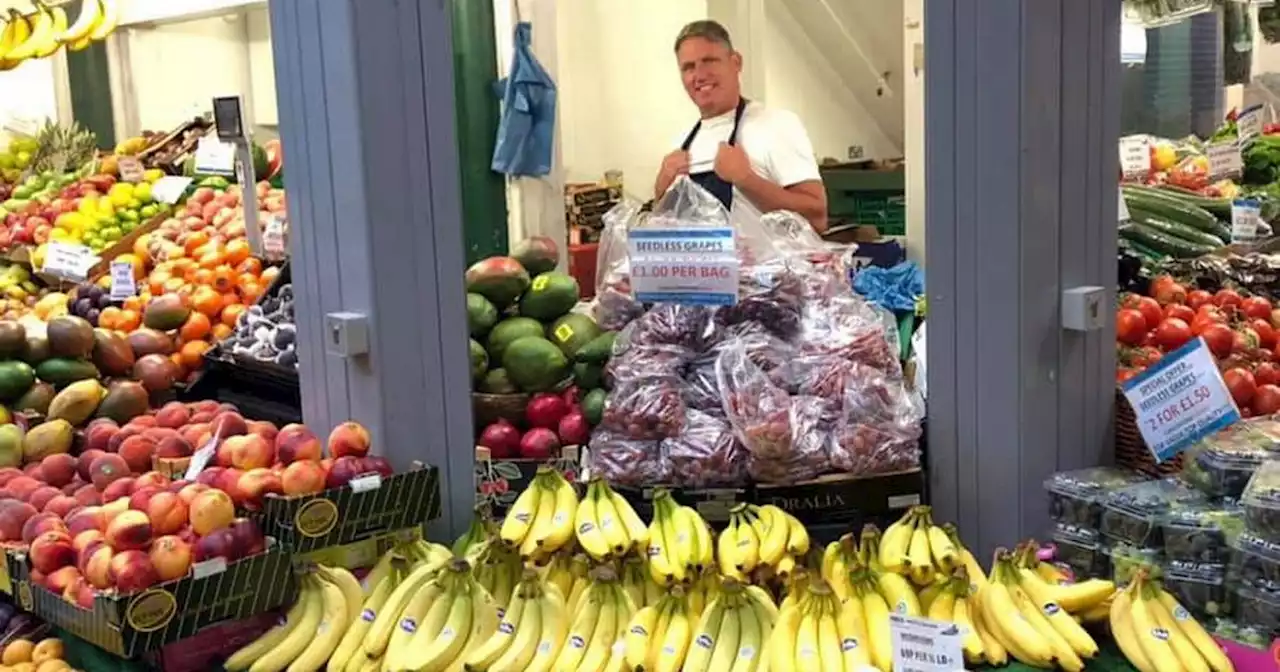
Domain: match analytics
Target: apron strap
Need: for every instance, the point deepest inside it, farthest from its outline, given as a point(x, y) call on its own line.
point(733, 136)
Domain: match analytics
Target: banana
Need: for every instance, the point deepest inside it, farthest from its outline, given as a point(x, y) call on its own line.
point(1151, 637)
point(349, 647)
point(385, 621)
point(279, 657)
point(702, 645)
point(425, 613)
point(977, 577)
point(962, 617)
point(992, 650)
point(786, 565)
point(542, 518)
point(853, 635)
point(636, 529)
point(16, 32)
point(486, 654)
point(554, 630)
point(763, 604)
point(243, 658)
point(748, 542)
point(662, 567)
point(1208, 648)
point(519, 519)
point(638, 637)
point(476, 533)
point(1062, 622)
point(684, 521)
point(1078, 597)
point(560, 528)
point(727, 549)
point(876, 616)
point(797, 536)
point(609, 521)
point(808, 654)
point(584, 623)
point(39, 38)
point(1123, 631)
point(895, 543)
point(1185, 651)
point(605, 631)
point(943, 551)
point(90, 14)
point(751, 633)
point(586, 523)
point(675, 641)
point(920, 561)
point(350, 587)
point(944, 605)
point(434, 653)
point(1063, 654)
point(727, 637)
point(781, 643)
point(49, 47)
point(772, 531)
point(706, 543)
point(328, 633)
point(1017, 634)
point(107, 24)
point(484, 625)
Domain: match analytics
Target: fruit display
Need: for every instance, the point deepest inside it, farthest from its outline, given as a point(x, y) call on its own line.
point(38, 655)
point(1156, 632)
point(14, 161)
point(1075, 497)
point(47, 29)
point(52, 157)
point(20, 292)
point(267, 332)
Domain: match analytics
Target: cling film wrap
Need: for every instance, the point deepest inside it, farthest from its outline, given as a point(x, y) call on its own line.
point(852, 329)
point(648, 408)
point(706, 454)
point(627, 462)
point(880, 429)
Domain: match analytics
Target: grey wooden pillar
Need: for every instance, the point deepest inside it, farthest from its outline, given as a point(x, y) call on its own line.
point(1022, 118)
point(367, 120)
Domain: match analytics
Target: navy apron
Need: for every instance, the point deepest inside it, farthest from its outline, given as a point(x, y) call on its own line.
point(723, 191)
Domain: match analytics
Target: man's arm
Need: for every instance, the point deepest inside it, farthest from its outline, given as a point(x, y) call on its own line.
point(808, 198)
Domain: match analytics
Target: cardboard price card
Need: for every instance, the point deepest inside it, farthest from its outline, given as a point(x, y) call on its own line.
point(1135, 156)
point(1180, 400)
point(215, 157)
point(1249, 124)
point(131, 169)
point(68, 261)
point(684, 265)
point(1224, 160)
point(922, 645)
point(169, 189)
point(123, 284)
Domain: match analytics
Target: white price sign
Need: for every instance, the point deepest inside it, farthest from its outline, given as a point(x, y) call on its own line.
point(68, 260)
point(1224, 160)
point(200, 459)
point(1122, 210)
point(689, 266)
point(169, 189)
point(273, 243)
point(922, 645)
point(1249, 124)
point(1135, 156)
point(1180, 400)
point(123, 284)
point(215, 157)
point(130, 169)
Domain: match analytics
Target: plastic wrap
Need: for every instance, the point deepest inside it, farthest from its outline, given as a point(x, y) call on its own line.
point(706, 454)
point(627, 462)
point(881, 429)
point(648, 408)
point(646, 361)
point(691, 327)
point(614, 307)
point(772, 354)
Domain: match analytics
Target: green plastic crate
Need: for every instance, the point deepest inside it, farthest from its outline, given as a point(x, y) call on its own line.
point(867, 197)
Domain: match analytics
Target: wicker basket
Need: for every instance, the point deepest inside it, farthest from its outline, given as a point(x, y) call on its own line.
point(1131, 449)
point(489, 408)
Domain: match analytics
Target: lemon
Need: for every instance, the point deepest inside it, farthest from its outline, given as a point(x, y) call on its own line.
point(152, 175)
point(142, 192)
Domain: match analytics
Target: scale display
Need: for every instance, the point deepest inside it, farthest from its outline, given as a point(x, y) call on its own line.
point(228, 118)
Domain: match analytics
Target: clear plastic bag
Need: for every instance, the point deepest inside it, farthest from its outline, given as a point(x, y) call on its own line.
point(706, 454)
point(700, 390)
point(690, 327)
point(852, 329)
point(647, 408)
point(630, 362)
point(614, 306)
point(687, 204)
point(772, 354)
point(823, 266)
point(880, 431)
point(769, 294)
point(627, 462)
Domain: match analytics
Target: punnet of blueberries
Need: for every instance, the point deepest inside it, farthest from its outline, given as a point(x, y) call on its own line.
point(1075, 497)
point(1134, 514)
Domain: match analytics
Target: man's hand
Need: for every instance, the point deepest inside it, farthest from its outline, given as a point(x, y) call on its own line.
point(673, 165)
point(732, 164)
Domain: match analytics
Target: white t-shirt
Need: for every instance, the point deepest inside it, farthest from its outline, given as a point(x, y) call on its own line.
point(775, 142)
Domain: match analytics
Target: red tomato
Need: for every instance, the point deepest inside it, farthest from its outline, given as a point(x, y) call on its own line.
point(1131, 327)
point(1160, 281)
point(1171, 293)
point(1266, 373)
point(1198, 297)
point(1241, 384)
point(1266, 400)
point(1145, 356)
point(1256, 307)
point(1227, 299)
point(1266, 333)
point(1219, 338)
point(1149, 308)
point(1125, 374)
point(1244, 340)
point(1212, 312)
point(1172, 333)
point(1177, 310)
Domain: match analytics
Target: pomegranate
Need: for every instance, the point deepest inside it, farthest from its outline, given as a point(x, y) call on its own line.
point(574, 429)
point(545, 410)
point(572, 396)
point(502, 439)
point(539, 443)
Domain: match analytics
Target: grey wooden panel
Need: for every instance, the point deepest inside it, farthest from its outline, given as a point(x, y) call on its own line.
point(1102, 353)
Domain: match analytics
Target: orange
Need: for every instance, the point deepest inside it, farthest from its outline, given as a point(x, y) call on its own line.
point(237, 251)
point(231, 313)
point(140, 245)
point(220, 330)
point(252, 266)
point(172, 285)
point(130, 319)
point(230, 299)
point(207, 301)
point(109, 318)
point(133, 303)
point(195, 328)
point(224, 279)
point(246, 279)
point(250, 293)
point(192, 353)
point(211, 260)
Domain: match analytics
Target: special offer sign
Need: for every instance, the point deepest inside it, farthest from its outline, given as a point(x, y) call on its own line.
point(1180, 400)
point(690, 266)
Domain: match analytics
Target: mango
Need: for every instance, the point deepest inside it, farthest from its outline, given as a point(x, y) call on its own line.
point(10, 445)
point(77, 401)
point(49, 438)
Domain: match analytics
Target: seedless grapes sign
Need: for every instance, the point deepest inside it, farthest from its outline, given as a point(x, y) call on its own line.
point(1180, 400)
point(690, 266)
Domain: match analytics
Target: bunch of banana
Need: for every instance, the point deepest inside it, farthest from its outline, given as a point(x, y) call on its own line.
point(704, 590)
point(96, 20)
point(599, 621)
point(952, 600)
point(839, 559)
point(605, 523)
point(916, 548)
point(819, 632)
point(349, 654)
point(638, 583)
point(498, 568)
point(413, 552)
point(328, 602)
point(738, 547)
point(1089, 600)
point(783, 539)
point(657, 636)
point(17, 30)
point(531, 632)
point(541, 520)
point(442, 621)
point(680, 543)
point(895, 588)
point(563, 570)
point(1157, 634)
point(481, 529)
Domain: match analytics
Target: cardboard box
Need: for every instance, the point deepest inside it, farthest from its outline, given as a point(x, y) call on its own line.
point(365, 508)
point(499, 482)
point(360, 554)
point(131, 625)
point(209, 647)
point(847, 499)
point(713, 504)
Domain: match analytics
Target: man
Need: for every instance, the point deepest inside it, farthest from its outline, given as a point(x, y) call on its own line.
point(753, 159)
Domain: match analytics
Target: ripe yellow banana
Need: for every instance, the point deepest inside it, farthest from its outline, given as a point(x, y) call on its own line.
point(584, 622)
point(348, 584)
point(1063, 654)
point(1062, 622)
point(51, 45)
point(779, 653)
point(662, 563)
point(748, 541)
point(637, 638)
point(1078, 597)
point(706, 542)
point(1183, 649)
point(702, 645)
point(1208, 648)
point(685, 523)
point(1123, 631)
point(484, 656)
point(38, 39)
point(729, 635)
point(386, 621)
point(425, 613)
point(1153, 639)
point(636, 529)
point(896, 541)
point(945, 555)
point(543, 519)
point(555, 627)
point(773, 532)
point(107, 24)
point(751, 634)
point(1015, 633)
point(586, 523)
point(992, 650)
point(853, 635)
point(560, 528)
point(972, 643)
point(605, 631)
point(437, 653)
point(279, 657)
point(351, 639)
point(16, 32)
point(675, 641)
point(519, 519)
point(243, 658)
point(328, 633)
point(610, 521)
point(919, 559)
point(797, 536)
point(90, 14)
point(875, 612)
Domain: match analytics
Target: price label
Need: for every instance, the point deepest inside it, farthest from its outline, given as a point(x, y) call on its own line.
point(922, 645)
point(1135, 156)
point(131, 169)
point(1224, 160)
point(215, 157)
point(1122, 210)
point(200, 459)
point(210, 567)
point(1180, 400)
point(1249, 124)
point(69, 261)
point(688, 266)
point(273, 242)
point(169, 189)
point(123, 284)
point(366, 482)
point(1245, 214)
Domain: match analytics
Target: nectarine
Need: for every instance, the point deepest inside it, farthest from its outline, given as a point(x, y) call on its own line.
point(132, 571)
point(129, 530)
point(171, 556)
point(211, 510)
point(302, 478)
point(349, 438)
point(52, 551)
point(297, 442)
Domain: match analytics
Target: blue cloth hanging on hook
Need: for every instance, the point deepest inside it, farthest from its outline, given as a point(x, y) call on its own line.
point(527, 127)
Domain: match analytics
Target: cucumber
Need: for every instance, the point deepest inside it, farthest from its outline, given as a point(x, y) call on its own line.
point(1168, 207)
point(1155, 221)
point(1221, 207)
point(1162, 242)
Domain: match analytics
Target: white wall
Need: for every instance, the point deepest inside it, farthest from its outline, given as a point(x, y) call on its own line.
point(913, 126)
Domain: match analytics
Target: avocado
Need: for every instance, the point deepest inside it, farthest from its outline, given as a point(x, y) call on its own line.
point(593, 406)
point(550, 295)
point(535, 364)
point(15, 379)
point(62, 371)
point(13, 339)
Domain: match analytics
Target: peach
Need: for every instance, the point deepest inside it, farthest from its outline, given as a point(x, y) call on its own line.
point(60, 579)
point(296, 442)
point(349, 438)
point(137, 451)
point(176, 486)
point(125, 433)
point(211, 510)
point(227, 424)
point(228, 407)
point(256, 484)
point(204, 406)
point(70, 488)
point(22, 486)
point(88, 495)
point(158, 434)
point(96, 565)
point(129, 530)
point(80, 594)
point(142, 421)
point(142, 496)
point(302, 478)
point(222, 456)
point(174, 446)
point(167, 511)
point(52, 551)
point(82, 541)
point(152, 479)
point(210, 475)
point(189, 492)
point(173, 415)
point(188, 535)
point(98, 437)
point(8, 474)
point(39, 524)
point(132, 571)
point(86, 460)
point(229, 482)
point(250, 451)
point(87, 518)
point(203, 417)
point(33, 470)
point(117, 489)
point(192, 433)
point(115, 507)
point(58, 469)
point(264, 429)
point(42, 495)
point(13, 515)
point(107, 469)
point(62, 505)
point(171, 556)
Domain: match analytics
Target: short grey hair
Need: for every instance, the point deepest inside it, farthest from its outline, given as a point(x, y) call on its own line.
point(707, 30)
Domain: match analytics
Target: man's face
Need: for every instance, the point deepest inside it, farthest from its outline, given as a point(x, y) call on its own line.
point(710, 72)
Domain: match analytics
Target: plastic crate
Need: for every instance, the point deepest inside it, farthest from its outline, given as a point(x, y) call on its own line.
point(867, 197)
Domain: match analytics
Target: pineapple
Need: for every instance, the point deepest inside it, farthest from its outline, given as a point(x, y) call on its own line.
point(63, 148)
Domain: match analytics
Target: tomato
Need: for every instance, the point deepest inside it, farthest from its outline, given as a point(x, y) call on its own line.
point(1160, 281)
point(1198, 297)
point(1266, 373)
point(1241, 384)
point(1244, 340)
point(1266, 400)
point(1171, 293)
point(1212, 312)
point(1145, 356)
point(1131, 327)
point(1219, 338)
point(1177, 310)
point(1266, 333)
point(1227, 299)
point(1125, 374)
point(1173, 333)
point(1256, 307)
point(1149, 308)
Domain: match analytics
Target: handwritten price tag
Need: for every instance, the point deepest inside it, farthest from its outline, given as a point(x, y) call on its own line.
point(1135, 156)
point(131, 169)
point(68, 261)
point(1224, 160)
point(1249, 124)
point(273, 242)
point(1180, 400)
point(123, 284)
